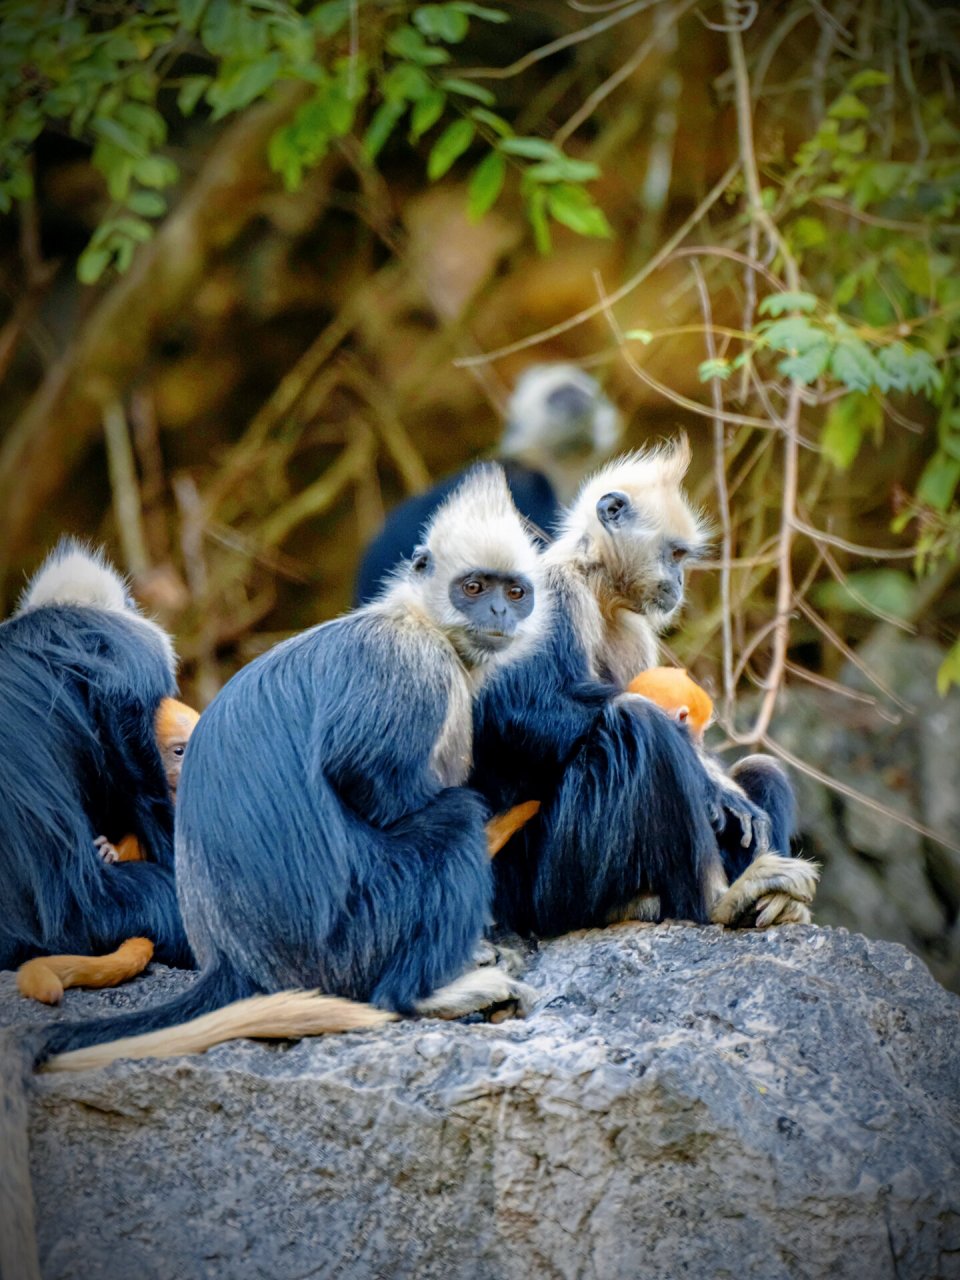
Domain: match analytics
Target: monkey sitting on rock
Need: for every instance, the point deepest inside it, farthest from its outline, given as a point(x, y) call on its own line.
point(82, 675)
point(333, 868)
point(629, 806)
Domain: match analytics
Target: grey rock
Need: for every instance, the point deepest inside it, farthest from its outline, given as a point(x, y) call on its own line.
point(683, 1101)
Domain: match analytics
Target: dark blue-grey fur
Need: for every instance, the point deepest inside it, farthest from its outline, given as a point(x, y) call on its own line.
point(625, 799)
point(79, 688)
point(315, 845)
point(768, 788)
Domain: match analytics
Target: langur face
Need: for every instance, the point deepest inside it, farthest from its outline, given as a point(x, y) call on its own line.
point(646, 557)
point(493, 606)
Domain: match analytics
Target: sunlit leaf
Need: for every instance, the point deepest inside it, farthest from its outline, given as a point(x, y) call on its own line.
point(486, 184)
point(449, 147)
point(775, 304)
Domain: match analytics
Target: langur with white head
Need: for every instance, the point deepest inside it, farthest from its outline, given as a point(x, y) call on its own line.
point(629, 812)
point(332, 866)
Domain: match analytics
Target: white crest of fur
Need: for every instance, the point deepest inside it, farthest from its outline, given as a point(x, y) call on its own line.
point(75, 574)
point(652, 479)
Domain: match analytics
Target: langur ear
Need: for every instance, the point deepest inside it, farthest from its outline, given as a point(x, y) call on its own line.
point(683, 715)
point(422, 561)
point(613, 509)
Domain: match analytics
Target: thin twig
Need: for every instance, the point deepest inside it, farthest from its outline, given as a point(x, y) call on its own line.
point(127, 512)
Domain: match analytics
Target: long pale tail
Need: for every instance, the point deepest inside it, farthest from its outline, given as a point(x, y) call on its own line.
point(286, 1015)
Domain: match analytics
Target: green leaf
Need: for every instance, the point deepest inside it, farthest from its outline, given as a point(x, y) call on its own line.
point(807, 233)
point(155, 171)
point(848, 107)
point(492, 121)
point(486, 184)
point(191, 91)
point(793, 334)
point(479, 11)
point(242, 85)
point(408, 43)
point(939, 480)
point(190, 12)
point(530, 148)
point(868, 80)
point(854, 142)
point(806, 366)
point(120, 136)
point(442, 22)
point(426, 113)
point(847, 422)
point(405, 82)
point(91, 264)
point(854, 364)
point(563, 170)
point(537, 213)
point(451, 144)
point(715, 368)
point(574, 208)
point(384, 121)
point(467, 89)
point(949, 672)
point(775, 304)
point(639, 335)
point(331, 17)
point(147, 203)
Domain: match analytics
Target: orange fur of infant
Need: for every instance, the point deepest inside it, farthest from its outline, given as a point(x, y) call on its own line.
point(678, 694)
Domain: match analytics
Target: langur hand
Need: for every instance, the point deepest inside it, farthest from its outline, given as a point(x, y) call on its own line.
point(754, 823)
point(106, 850)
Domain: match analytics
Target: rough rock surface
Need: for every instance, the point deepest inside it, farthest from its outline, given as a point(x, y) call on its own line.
point(683, 1101)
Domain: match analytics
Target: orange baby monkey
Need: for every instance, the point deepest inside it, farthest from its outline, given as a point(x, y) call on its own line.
point(172, 727)
point(679, 695)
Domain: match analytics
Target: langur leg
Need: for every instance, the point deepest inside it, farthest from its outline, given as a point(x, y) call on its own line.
point(766, 784)
point(487, 990)
point(770, 884)
point(47, 977)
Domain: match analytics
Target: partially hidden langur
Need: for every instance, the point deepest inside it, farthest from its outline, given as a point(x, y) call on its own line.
point(559, 424)
point(333, 868)
point(82, 675)
point(45, 978)
point(758, 779)
point(172, 727)
point(629, 811)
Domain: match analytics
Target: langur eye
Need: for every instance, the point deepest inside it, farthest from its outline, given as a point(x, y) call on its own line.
point(516, 592)
point(680, 553)
point(178, 751)
point(472, 587)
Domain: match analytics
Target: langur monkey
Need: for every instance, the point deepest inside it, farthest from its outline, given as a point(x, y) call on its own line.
point(324, 788)
point(45, 978)
point(82, 674)
point(629, 807)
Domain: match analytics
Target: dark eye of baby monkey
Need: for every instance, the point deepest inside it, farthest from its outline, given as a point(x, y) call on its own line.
point(494, 603)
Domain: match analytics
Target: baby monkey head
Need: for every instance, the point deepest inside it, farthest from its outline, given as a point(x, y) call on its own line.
point(633, 530)
point(478, 572)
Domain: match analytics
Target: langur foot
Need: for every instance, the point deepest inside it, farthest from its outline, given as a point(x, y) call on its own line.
point(47, 977)
point(780, 908)
point(643, 909)
point(770, 874)
point(489, 991)
point(488, 954)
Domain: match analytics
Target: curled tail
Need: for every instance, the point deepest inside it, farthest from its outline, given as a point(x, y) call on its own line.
point(218, 1007)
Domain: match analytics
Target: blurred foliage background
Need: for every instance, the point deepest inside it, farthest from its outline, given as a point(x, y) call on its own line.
point(267, 267)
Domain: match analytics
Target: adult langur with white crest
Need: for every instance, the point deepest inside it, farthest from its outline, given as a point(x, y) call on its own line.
point(332, 866)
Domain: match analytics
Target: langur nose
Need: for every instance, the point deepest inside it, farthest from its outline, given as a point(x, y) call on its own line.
point(568, 400)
